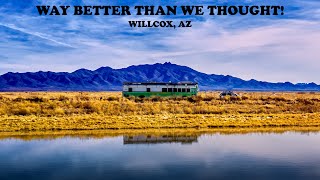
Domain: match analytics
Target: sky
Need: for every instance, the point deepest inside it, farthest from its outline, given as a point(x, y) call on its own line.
point(268, 48)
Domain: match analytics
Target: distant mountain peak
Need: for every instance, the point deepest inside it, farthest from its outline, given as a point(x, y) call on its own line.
point(107, 78)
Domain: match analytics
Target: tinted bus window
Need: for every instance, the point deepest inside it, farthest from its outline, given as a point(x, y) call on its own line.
point(164, 90)
point(179, 89)
point(183, 89)
point(148, 90)
point(188, 90)
point(169, 89)
point(130, 89)
point(175, 89)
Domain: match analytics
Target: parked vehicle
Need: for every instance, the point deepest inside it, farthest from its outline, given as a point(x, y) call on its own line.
point(228, 93)
point(162, 89)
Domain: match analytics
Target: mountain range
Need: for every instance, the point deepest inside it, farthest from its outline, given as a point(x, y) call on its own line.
point(109, 79)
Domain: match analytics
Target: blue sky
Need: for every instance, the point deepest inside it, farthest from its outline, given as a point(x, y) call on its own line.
point(269, 48)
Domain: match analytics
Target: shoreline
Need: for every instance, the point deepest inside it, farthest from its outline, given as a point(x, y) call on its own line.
point(100, 134)
point(168, 121)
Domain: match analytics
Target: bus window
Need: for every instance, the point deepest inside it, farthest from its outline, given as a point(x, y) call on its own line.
point(164, 90)
point(148, 90)
point(183, 89)
point(169, 89)
point(175, 89)
point(130, 89)
point(188, 90)
point(179, 89)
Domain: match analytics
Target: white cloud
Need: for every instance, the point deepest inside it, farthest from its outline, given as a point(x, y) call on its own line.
point(284, 51)
point(271, 49)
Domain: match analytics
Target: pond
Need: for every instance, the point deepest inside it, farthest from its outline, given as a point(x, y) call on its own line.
point(286, 155)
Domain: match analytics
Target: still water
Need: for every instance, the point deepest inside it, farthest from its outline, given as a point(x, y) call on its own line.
point(288, 155)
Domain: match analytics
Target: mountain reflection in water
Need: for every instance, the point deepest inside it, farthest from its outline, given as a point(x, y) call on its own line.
point(145, 154)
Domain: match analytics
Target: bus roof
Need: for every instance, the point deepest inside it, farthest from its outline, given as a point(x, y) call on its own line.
point(160, 83)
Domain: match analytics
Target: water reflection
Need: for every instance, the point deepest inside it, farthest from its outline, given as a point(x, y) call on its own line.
point(153, 139)
point(150, 133)
point(162, 155)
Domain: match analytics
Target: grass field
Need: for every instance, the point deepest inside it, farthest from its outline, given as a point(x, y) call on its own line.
point(41, 111)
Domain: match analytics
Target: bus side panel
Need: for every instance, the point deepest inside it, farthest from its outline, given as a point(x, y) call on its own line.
point(160, 94)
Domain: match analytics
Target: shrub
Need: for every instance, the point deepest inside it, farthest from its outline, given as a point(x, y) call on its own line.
point(279, 99)
point(59, 111)
point(191, 99)
point(156, 99)
point(35, 99)
point(18, 99)
point(3, 111)
point(235, 98)
point(82, 97)
point(305, 101)
point(22, 111)
point(187, 110)
point(208, 98)
point(244, 97)
point(63, 98)
point(112, 98)
point(139, 100)
point(90, 108)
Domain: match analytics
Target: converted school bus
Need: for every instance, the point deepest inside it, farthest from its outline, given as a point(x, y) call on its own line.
point(148, 89)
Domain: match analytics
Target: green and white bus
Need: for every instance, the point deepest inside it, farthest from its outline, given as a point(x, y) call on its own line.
point(162, 89)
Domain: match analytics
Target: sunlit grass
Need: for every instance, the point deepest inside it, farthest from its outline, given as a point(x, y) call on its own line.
point(40, 111)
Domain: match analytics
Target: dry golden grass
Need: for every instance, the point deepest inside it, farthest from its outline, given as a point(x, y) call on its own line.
point(31, 111)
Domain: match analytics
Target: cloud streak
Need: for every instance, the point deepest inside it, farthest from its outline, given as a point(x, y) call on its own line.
point(39, 35)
